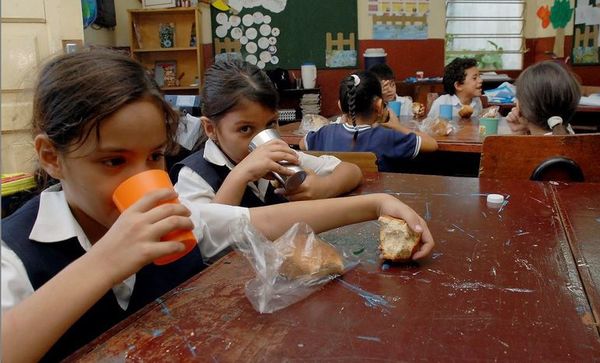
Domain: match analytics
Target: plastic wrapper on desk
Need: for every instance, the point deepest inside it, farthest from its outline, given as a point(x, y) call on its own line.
point(436, 126)
point(288, 269)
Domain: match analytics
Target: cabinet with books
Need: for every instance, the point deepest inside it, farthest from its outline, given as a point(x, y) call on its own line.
point(168, 43)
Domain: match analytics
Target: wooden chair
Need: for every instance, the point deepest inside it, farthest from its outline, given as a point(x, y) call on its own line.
point(565, 158)
point(366, 161)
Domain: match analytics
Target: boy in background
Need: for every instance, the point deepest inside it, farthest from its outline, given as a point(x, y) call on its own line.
point(462, 84)
point(386, 77)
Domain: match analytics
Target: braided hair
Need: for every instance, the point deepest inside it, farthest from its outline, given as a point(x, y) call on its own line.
point(357, 93)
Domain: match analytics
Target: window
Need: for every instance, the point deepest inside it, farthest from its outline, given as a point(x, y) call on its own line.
point(489, 31)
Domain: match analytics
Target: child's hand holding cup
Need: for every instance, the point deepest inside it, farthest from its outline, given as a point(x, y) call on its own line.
point(288, 182)
point(134, 188)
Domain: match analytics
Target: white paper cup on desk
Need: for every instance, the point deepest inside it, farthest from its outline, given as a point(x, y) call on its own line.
point(288, 182)
point(309, 75)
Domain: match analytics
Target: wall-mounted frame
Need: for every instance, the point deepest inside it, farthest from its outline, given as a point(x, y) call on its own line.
point(586, 33)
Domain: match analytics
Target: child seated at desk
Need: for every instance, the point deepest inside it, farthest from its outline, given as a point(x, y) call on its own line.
point(361, 101)
point(239, 101)
point(547, 98)
point(462, 84)
point(72, 265)
point(386, 77)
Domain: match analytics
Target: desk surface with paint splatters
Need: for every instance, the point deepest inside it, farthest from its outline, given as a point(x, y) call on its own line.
point(501, 284)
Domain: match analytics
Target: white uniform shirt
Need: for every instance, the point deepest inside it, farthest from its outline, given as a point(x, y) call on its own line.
point(191, 186)
point(55, 223)
point(453, 100)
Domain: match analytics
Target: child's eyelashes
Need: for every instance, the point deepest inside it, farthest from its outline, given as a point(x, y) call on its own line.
point(113, 162)
point(157, 156)
point(245, 129)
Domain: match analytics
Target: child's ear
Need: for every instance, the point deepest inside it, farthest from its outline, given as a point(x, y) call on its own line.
point(209, 127)
point(458, 86)
point(48, 156)
point(340, 106)
point(379, 105)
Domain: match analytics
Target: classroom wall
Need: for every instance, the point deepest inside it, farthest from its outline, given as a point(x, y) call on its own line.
point(404, 56)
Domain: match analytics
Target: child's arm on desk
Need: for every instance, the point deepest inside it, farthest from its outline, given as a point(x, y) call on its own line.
point(344, 178)
point(428, 143)
point(325, 214)
point(34, 325)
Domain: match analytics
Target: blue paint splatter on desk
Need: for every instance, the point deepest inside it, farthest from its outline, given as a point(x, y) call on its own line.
point(371, 300)
point(373, 339)
point(163, 307)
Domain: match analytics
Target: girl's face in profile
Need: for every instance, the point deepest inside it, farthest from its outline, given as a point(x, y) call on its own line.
point(472, 84)
point(235, 130)
point(132, 140)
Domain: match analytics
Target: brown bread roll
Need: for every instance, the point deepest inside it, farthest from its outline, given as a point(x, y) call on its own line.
point(311, 258)
point(466, 111)
point(397, 241)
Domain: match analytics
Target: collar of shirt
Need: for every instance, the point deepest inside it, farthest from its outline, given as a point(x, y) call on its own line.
point(56, 223)
point(214, 155)
point(358, 128)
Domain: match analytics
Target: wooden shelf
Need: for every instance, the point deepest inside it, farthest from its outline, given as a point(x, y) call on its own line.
point(142, 50)
point(180, 88)
point(162, 11)
point(144, 29)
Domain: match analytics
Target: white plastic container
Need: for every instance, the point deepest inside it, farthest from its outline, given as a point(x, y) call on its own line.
point(309, 75)
point(374, 56)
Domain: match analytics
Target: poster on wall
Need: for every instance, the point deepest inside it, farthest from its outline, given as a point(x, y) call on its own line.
point(399, 19)
point(586, 32)
point(285, 34)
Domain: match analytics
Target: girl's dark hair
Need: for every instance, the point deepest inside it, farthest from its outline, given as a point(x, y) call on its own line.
point(75, 92)
point(357, 95)
point(455, 71)
point(382, 71)
point(547, 89)
point(227, 83)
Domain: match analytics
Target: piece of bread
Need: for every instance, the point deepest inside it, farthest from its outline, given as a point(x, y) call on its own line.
point(397, 241)
point(418, 109)
point(465, 111)
point(311, 257)
point(441, 127)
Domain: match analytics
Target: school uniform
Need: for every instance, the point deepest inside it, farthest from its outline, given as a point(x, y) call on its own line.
point(389, 145)
point(453, 100)
point(43, 237)
point(198, 177)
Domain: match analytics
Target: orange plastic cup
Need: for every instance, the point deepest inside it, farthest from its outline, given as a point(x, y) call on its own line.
point(134, 188)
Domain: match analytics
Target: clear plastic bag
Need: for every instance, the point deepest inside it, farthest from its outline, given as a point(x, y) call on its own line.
point(490, 112)
point(288, 269)
point(312, 122)
point(436, 126)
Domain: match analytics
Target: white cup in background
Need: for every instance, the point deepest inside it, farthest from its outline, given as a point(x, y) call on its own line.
point(309, 75)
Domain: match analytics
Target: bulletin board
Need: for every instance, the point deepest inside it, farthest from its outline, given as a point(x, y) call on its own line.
point(586, 33)
point(324, 32)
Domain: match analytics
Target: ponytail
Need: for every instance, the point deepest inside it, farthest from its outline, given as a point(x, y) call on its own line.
point(353, 82)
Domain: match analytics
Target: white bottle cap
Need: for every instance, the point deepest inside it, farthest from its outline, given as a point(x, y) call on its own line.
point(495, 198)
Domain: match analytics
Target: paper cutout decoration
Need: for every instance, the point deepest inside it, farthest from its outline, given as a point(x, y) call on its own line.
point(340, 52)
point(399, 19)
point(560, 15)
point(543, 12)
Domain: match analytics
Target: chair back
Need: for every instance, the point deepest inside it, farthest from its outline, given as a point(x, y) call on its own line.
point(564, 158)
point(366, 161)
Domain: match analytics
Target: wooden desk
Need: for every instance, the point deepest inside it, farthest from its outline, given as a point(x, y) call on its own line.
point(500, 285)
point(579, 207)
point(465, 138)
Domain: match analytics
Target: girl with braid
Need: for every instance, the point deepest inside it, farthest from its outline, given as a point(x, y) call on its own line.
point(363, 106)
point(239, 101)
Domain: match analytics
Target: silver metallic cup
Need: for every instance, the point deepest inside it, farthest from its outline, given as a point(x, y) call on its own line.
point(289, 182)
